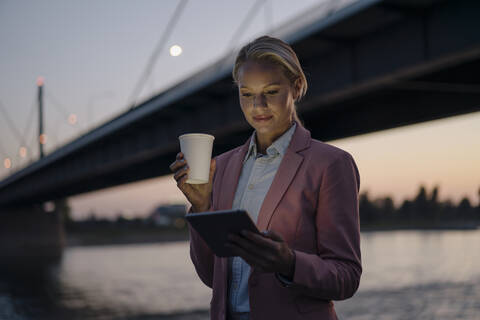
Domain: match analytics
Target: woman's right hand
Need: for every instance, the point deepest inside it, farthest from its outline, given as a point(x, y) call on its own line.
point(198, 194)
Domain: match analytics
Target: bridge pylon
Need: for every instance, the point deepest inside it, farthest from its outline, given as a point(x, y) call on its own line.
point(31, 236)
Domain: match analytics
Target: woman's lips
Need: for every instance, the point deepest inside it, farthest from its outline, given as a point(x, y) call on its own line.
point(262, 118)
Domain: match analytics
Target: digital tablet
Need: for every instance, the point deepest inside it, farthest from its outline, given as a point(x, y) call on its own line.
point(214, 227)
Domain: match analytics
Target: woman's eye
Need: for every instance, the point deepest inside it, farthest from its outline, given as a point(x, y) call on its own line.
point(246, 94)
point(272, 92)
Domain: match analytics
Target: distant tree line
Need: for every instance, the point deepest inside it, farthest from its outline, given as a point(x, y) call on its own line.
point(424, 211)
point(119, 221)
point(163, 217)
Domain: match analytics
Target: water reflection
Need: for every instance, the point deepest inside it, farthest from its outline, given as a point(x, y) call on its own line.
point(406, 274)
point(29, 291)
point(404, 258)
point(105, 282)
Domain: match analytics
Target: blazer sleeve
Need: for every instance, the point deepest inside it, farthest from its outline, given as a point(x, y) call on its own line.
point(201, 255)
point(334, 272)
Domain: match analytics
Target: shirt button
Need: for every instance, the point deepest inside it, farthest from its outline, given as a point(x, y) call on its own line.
point(250, 186)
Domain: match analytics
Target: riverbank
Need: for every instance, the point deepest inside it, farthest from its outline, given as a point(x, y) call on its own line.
point(420, 226)
point(119, 235)
point(131, 235)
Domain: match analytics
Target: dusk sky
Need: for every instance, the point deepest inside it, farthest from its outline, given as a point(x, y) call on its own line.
point(92, 53)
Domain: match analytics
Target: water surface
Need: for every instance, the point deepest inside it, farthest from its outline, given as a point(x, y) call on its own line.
point(407, 275)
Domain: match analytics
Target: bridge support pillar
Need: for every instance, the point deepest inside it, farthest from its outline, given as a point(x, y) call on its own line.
point(31, 236)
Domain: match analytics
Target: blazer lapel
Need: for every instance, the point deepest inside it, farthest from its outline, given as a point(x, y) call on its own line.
point(286, 172)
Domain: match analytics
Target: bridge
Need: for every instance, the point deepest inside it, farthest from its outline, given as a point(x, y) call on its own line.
point(372, 65)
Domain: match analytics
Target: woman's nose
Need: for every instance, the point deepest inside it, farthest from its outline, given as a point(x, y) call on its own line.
point(259, 101)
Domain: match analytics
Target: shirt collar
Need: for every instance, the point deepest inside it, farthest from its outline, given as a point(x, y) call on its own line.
point(278, 147)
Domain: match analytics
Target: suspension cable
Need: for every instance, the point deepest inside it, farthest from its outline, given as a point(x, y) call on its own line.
point(245, 23)
point(10, 123)
point(153, 58)
point(60, 107)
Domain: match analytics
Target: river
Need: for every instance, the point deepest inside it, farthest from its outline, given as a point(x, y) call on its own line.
point(407, 275)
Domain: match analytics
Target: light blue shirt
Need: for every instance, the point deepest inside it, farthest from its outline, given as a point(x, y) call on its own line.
point(257, 175)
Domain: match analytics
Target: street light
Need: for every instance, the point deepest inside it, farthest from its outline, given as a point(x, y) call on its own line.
point(23, 152)
point(72, 119)
point(7, 163)
point(42, 138)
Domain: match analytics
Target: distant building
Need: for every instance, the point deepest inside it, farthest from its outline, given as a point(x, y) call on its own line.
point(168, 216)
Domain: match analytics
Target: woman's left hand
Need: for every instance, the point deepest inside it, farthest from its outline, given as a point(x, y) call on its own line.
point(267, 251)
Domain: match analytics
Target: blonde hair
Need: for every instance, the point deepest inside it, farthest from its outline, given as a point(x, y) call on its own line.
point(278, 52)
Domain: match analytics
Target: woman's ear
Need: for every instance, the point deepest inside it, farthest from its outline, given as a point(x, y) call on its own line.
point(297, 87)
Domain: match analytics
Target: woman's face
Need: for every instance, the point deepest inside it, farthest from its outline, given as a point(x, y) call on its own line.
point(266, 97)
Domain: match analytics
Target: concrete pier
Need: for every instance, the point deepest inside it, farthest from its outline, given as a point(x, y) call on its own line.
point(31, 236)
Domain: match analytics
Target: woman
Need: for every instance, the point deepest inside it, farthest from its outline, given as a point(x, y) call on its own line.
point(302, 193)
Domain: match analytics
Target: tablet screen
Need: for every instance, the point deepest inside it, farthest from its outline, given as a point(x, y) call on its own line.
point(214, 227)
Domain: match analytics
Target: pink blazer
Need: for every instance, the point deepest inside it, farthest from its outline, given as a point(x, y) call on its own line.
point(313, 204)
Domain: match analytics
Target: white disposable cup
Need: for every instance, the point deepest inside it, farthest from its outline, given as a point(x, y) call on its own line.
point(197, 149)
